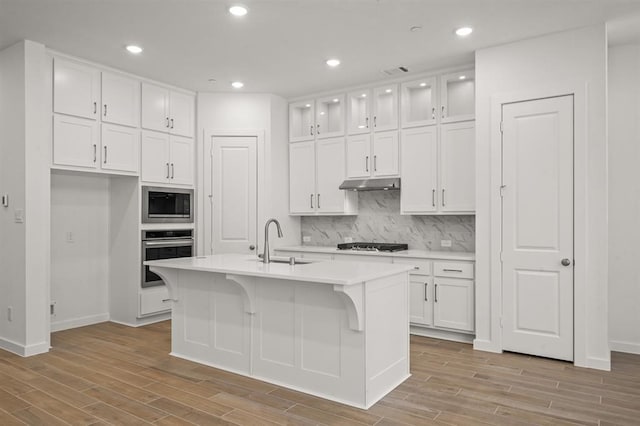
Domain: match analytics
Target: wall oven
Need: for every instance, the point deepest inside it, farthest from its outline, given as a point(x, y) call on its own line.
point(164, 244)
point(167, 205)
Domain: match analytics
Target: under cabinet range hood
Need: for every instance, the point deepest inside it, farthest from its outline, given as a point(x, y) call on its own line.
point(385, 184)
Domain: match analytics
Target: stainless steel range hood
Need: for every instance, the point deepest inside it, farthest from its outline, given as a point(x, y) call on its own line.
point(384, 184)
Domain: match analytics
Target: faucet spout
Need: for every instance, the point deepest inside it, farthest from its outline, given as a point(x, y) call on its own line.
point(266, 257)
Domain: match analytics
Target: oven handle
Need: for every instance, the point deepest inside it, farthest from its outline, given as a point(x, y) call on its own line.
point(168, 243)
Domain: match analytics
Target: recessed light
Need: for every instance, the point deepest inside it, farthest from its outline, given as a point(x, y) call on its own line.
point(333, 62)
point(464, 31)
point(388, 91)
point(238, 10)
point(423, 84)
point(462, 77)
point(336, 100)
point(364, 95)
point(132, 48)
point(322, 113)
point(237, 85)
point(308, 106)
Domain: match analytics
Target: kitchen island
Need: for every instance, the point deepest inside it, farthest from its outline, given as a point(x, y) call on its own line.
point(338, 330)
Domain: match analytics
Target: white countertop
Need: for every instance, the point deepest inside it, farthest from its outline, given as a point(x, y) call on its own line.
point(342, 273)
point(416, 254)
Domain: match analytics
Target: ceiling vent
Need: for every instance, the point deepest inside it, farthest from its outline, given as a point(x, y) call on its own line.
point(395, 71)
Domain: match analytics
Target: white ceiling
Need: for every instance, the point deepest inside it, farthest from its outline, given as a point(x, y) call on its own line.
point(281, 45)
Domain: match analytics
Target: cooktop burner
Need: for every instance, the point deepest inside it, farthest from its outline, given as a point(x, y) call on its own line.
point(373, 246)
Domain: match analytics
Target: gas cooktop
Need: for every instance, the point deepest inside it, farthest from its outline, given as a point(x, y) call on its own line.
point(373, 246)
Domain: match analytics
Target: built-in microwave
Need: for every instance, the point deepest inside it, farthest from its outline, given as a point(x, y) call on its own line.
point(167, 205)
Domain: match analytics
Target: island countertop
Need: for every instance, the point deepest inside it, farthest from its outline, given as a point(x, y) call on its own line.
point(328, 272)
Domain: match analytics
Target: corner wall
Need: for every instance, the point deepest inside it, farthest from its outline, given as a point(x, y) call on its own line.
point(552, 63)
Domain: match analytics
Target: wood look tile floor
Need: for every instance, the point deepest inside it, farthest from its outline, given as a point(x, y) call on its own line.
point(112, 374)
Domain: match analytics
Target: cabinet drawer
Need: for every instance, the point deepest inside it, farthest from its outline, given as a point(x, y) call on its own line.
point(453, 269)
point(420, 266)
point(154, 301)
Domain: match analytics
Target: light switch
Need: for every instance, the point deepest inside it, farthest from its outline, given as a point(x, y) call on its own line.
point(18, 215)
point(306, 238)
point(445, 243)
point(5, 200)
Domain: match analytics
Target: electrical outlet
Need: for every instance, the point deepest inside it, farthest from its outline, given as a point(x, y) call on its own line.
point(5, 200)
point(10, 313)
point(445, 243)
point(348, 239)
point(52, 309)
point(306, 238)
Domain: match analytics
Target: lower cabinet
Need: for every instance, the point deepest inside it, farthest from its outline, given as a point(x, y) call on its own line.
point(420, 299)
point(453, 304)
point(154, 300)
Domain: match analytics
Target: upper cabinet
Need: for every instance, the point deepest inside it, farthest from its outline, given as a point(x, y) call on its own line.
point(419, 102)
point(359, 111)
point(457, 96)
point(301, 121)
point(120, 100)
point(164, 110)
point(76, 89)
point(373, 110)
point(320, 118)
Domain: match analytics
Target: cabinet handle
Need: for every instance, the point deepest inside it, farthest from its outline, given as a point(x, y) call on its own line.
point(433, 197)
point(167, 125)
point(172, 123)
point(311, 198)
point(105, 110)
point(318, 200)
point(426, 286)
point(435, 298)
point(105, 155)
point(452, 270)
point(167, 170)
point(442, 111)
point(95, 107)
point(172, 170)
point(366, 163)
point(375, 163)
point(367, 122)
point(317, 129)
point(311, 130)
point(375, 121)
point(95, 152)
point(433, 113)
point(443, 198)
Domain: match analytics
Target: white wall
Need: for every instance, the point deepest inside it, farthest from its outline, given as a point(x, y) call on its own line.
point(79, 268)
point(24, 176)
point(575, 60)
point(252, 112)
point(624, 198)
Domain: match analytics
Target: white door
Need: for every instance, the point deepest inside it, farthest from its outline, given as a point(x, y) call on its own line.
point(302, 177)
point(419, 170)
point(76, 89)
point(359, 156)
point(234, 185)
point(181, 119)
point(537, 227)
point(155, 107)
point(120, 148)
point(181, 160)
point(457, 167)
point(154, 166)
point(75, 141)
point(120, 100)
point(385, 154)
point(330, 167)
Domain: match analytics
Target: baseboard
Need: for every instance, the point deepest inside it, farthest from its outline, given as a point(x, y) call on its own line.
point(599, 363)
point(440, 334)
point(486, 346)
point(627, 347)
point(79, 322)
point(22, 350)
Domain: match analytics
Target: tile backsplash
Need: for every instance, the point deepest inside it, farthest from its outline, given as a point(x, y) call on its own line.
point(379, 220)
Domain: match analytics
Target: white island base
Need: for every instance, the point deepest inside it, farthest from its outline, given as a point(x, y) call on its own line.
point(332, 329)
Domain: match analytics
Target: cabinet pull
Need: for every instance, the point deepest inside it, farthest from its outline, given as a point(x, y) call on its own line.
point(375, 163)
point(452, 270)
point(95, 152)
point(311, 130)
point(443, 198)
point(95, 107)
point(167, 125)
point(375, 121)
point(426, 286)
point(318, 195)
point(172, 123)
point(311, 198)
point(366, 163)
point(167, 170)
point(433, 197)
point(105, 110)
point(442, 111)
point(435, 298)
point(433, 113)
point(172, 170)
point(105, 155)
point(367, 122)
point(317, 129)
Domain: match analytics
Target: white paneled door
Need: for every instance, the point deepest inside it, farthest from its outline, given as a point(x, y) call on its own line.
point(537, 221)
point(234, 194)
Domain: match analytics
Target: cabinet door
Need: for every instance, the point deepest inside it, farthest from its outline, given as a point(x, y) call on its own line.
point(181, 160)
point(385, 108)
point(76, 89)
point(457, 167)
point(155, 107)
point(120, 148)
point(120, 100)
point(181, 119)
point(330, 172)
point(420, 299)
point(385, 154)
point(418, 166)
point(359, 162)
point(301, 121)
point(154, 166)
point(453, 301)
point(302, 177)
point(458, 96)
point(75, 141)
point(359, 112)
point(419, 103)
point(330, 116)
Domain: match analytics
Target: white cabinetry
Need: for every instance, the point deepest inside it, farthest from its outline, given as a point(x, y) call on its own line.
point(419, 147)
point(419, 102)
point(154, 301)
point(76, 89)
point(166, 159)
point(120, 148)
point(75, 141)
point(120, 100)
point(373, 110)
point(457, 96)
point(165, 110)
point(457, 167)
point(375, 156)
point(316, 170)
point(320, 118)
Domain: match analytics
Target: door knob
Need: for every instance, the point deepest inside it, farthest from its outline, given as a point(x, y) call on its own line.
point(252, 247)
point(565, 262)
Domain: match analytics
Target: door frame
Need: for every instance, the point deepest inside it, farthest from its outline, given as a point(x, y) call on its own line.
point(203, 171)
point(580, 320)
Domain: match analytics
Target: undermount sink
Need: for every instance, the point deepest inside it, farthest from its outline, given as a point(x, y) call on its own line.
point(285, 259)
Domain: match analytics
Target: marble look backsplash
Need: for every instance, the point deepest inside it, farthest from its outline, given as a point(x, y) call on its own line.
point(379, 220)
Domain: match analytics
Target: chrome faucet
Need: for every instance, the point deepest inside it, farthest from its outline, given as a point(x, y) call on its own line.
point(266, 258)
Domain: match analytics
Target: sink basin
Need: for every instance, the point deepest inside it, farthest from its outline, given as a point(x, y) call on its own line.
point(285, 259)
